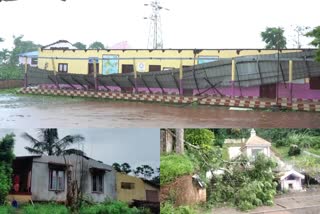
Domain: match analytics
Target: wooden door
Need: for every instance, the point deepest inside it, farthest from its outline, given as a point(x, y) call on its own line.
point(154, 68)
point(127, 68)
point(268, 91)
point(314, 82)
point(152, 195)
point(90, 68)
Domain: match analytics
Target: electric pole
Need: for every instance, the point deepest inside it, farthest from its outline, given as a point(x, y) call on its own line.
point(155, 40)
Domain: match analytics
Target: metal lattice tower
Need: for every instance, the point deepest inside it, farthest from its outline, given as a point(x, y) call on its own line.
point(155, 40)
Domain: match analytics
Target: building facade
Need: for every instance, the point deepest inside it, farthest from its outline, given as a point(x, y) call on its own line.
point(43, 178)
point(130, 188)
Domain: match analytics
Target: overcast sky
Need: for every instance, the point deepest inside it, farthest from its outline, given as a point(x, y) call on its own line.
point(188, 24)
point(134, 146)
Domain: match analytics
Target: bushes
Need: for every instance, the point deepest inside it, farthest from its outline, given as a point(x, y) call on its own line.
point(45, 209)
point(6, 210)
point(294, 150)
point(173, 166)
point(10, 72)
point(115, 207)
point(244, 184)
point(168, 208)
point(6, 158)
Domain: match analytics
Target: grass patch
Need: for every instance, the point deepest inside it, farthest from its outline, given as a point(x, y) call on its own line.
point(114, 207)
point(314, 151)
point(282, 152)
point(168, 208)
point(173, 166)
point(6, 210)
point(44, 209)
point(9, 91)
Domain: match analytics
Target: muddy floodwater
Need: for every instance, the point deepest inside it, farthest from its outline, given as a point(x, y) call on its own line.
point(43, 111)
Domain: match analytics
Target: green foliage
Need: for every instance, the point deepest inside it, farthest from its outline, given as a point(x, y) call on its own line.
point(144, 171)
point(203, 138)
point(7, 210)
point(173, 166)
point(21, 46)
point(315, 33)
point(50, 144)
point(8, 71)
point(80, 45)
point(96, 45)
point(111, 207)
point(44, 209)
point(244, 184)
point(274, 38)
point(6, 159)
point(294, 150)
point(168, 208)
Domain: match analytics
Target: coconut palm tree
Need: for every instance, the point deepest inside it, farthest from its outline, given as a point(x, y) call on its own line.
point(48, 143)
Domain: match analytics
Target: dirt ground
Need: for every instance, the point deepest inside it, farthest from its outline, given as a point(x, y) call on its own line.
point(293, 203)
point(17, 111)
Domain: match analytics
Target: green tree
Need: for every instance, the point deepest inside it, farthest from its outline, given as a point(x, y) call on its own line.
point(21, 46)
point(144, 171)
point(50, 144)
point(79, 45)
point(117, 167)
point(6, 159)
point(315, 33)
point(96, 45)
point(274, 38)
point(124, 167)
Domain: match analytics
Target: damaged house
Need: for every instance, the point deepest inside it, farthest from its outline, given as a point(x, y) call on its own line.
point(43, 178)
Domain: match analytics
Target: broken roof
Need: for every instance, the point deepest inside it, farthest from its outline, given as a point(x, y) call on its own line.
point(292, 172)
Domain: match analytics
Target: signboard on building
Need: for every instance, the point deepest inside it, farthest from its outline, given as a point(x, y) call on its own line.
point(110, 64)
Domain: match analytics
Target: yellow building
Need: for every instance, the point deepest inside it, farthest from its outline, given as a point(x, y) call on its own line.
point(142, 60)
point(131, 188)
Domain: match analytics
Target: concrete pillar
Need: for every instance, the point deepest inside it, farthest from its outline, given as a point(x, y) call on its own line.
point(233, 74)
point(95, 74)
point(55, 73)
point(180, 78)
point(290, 80)
point(135, 76)
point(26, 72)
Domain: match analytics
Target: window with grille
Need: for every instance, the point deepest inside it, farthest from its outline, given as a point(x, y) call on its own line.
point(56, 180)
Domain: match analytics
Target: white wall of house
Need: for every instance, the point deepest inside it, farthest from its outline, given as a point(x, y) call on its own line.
point(295, 185)
point(250, 150)
point(40, 178)
point(40, 184)
point(30, 62)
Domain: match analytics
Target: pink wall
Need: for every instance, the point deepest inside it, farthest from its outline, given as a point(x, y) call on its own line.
point(227, 91)
point(302, 91)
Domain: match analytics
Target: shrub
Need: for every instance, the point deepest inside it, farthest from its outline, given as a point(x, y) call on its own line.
point(294, 150)
point(173, 166)
point(168, 208)
point(6, 210)
point(45, 209)
point(112, 207)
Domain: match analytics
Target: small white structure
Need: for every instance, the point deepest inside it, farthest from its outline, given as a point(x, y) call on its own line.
point(32, 58)
point(291, 180)
point(255, 145)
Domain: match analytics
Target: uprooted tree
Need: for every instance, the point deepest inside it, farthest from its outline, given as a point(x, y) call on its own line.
point(6, 159)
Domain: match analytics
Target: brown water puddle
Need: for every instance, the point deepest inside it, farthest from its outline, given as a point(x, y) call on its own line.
point(38, 111)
